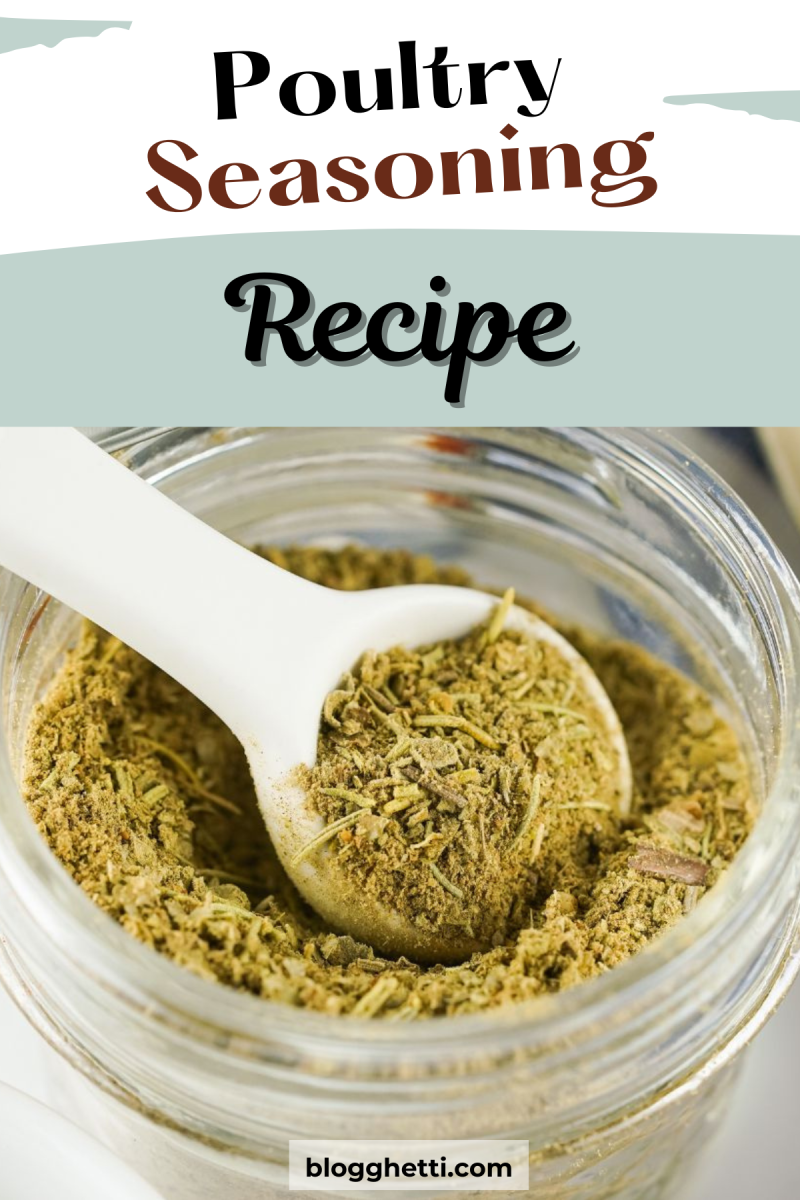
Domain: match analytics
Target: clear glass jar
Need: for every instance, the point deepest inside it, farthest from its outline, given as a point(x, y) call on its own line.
point(616, 1084)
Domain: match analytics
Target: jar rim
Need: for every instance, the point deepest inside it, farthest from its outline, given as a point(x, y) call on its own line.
point(149, 980)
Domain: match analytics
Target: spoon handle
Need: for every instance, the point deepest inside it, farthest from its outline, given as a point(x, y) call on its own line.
point(79, 525)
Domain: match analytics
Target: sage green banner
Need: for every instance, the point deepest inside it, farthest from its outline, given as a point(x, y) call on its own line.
point(670, 329)
point(17, 33)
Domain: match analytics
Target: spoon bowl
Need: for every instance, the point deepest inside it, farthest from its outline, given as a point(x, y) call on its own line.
point(408, 616)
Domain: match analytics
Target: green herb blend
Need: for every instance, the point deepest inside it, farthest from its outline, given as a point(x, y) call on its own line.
point(146, 799)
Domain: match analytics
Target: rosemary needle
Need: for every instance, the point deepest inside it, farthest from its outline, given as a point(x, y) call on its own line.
point(324, 836)
point(445, 882)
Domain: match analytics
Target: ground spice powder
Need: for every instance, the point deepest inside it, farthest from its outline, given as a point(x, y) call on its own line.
point(146, 799)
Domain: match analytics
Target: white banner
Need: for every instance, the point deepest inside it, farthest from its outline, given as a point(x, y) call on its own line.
point(458, 120)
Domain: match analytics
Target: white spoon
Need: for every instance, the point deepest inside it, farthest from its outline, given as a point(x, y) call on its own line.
point(259, 646)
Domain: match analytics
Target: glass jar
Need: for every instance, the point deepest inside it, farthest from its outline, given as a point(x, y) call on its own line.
point(617, 1084)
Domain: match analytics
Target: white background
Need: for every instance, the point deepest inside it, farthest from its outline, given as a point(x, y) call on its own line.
point(86, 111)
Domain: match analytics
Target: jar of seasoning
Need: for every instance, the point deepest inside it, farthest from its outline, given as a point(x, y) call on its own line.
point(615, 1084)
